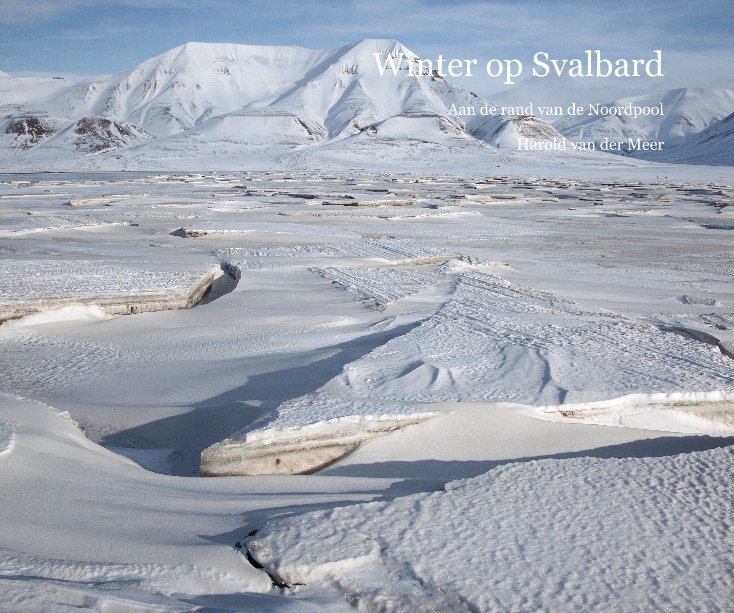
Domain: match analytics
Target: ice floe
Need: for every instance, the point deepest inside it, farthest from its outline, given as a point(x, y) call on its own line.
point(584, 533)
point(28, 286)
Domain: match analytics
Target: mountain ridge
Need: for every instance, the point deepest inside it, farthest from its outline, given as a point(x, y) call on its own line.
point(686, 112)
point(256, 104)
point(265, 100)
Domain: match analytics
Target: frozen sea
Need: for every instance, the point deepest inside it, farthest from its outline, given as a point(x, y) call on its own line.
point(310, 391)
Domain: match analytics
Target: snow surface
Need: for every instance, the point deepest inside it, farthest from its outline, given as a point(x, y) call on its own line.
point(696, 412)
point(38, 223)
point(495, 341)
point(608, 535)
point(382, 285)
point(30, 286)
point(36, 279)
point(434, 327)
point(85, 527)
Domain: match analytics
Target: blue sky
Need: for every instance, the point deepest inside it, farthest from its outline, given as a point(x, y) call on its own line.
point(86, 37)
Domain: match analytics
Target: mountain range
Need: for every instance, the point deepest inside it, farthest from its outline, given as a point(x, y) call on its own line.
point(205, 100)
point(228, 103)
point(688, 113)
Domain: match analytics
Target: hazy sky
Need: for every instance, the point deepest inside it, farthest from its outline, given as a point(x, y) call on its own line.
point(86, 37)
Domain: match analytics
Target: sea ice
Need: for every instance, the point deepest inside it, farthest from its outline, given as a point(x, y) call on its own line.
point(515, 315)
point(601, 534)
point(28, 286)
point(491, 341)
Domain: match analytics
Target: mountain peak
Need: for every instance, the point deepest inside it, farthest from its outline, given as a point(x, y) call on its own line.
point(257, 98)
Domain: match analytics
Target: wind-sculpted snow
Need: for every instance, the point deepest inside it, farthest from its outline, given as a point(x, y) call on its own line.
point(101, 586)
point(549, 318)
point(388, 214)
point(39, 279)
point(577, 534)
point(204, 228)
point(394, 251)
point(84, 528)
point(30, 286)
point(389, 251)
point(59, 364)
point(382, 285)
point(306, 449)
point(695, 412)
point(37, 223)
point(493, 341)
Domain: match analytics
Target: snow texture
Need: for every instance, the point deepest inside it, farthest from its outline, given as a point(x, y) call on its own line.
point(86, 528)
point(432, 327)
point(496, 341)
point(591, 534)
point(38, 223)
point(47, 279)
point(381, 285)
point(392, 251)
point(59, 363)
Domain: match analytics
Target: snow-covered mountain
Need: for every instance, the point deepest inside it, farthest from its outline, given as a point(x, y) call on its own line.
point(203, 99)
point(686, 112)
point(713, 146)
point(564, 90)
